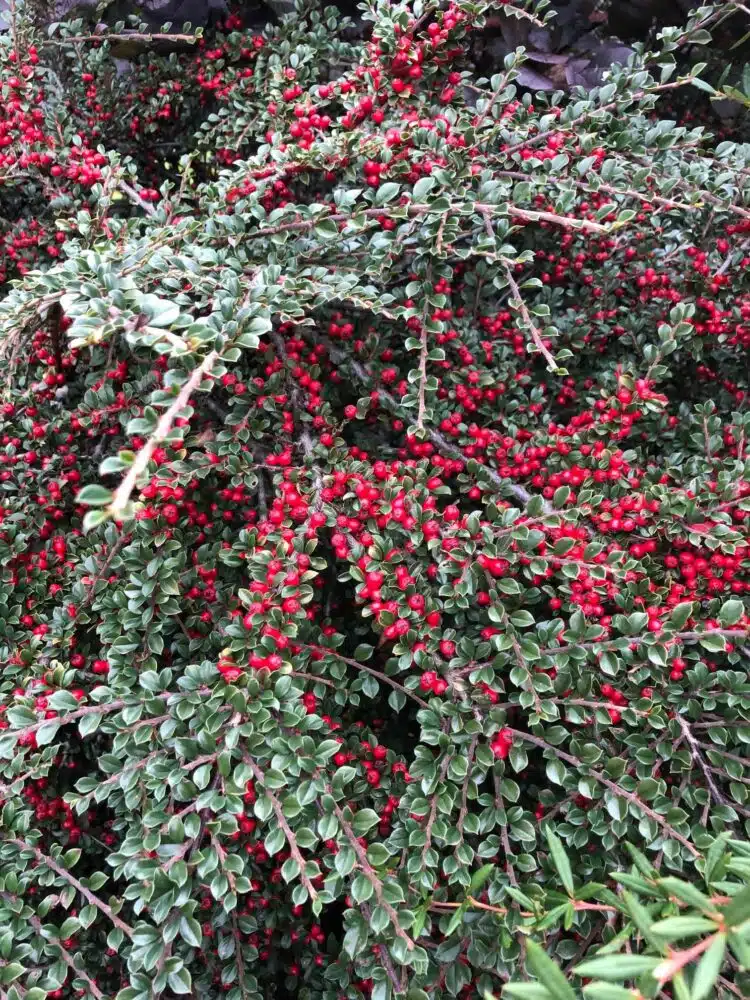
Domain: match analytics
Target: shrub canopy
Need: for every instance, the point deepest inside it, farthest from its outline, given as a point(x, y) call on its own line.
point(374, 518)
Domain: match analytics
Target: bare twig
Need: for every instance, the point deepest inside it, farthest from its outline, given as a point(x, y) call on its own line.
point(136, 199)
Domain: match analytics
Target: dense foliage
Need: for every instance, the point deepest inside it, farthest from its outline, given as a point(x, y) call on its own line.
point(374, 518)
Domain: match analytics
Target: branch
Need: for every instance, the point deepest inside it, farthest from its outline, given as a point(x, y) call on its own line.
point(697, 757)
point(368, 670)
point(441, 443)
point(164, 426)
point(423, 351)
point(239, 960)
point(370, 874)
point(465, 789)
point(433, 810)
point(281, 820)
point(385, 958)
point(415, 210)
point(78, 713)
point(128, 36)
point(618, 103)
point(64, 953)
point(136, 199)
point(87, 894)
point(613, 787)
point(520, 306)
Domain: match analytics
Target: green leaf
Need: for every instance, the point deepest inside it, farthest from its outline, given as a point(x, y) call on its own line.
point(548, 972)
point(674, 928)
point(709, 968)
point(326, 229)
point(607, 991)
point(687, 893)
point(479, 878)
point(730, 612)
point(617, 967)
point(47, 732)
point(180, 981)
point(560, 859)
point(345, 860)
point(10, 972)
point(190, 931)
point(681, 613)
point(94, 495)
point(713, 643)
point(386, 192)
point(528, 991)
point(364, 820)
point(738, 911)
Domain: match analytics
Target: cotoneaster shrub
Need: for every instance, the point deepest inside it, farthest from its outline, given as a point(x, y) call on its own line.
point(375, 509)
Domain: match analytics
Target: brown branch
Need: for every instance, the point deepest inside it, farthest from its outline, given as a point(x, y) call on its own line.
point(618, 103)
point(697, 757)
point(189, 844)
point(725, 753)
point(505, 840)
point(239, 960)
point(370, 873)
point(368, 670)
point(517, 303)
point(136, 199)
point(128, 36)
point(87, 894)
point(416, 210)
point(627, 639)
point(465, 789)
point(64, 953)
point(433, 811)
point(281, 820)
point(385, 957)
point(78, 713)
point(443, 445)
point(424, 347)
point(612, 786)
point(164, 426)
point(119, 543)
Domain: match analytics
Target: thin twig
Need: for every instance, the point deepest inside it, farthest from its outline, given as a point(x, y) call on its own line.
point(64, 953)
point(433, 811)
point(87, 894)
point(368, 670)
point(697, 756)
point(520, 306)
point(136, 199)
point(385, 957)
point(370, 874)
point(613, 787)
point(164, 426)
point(281, 820)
